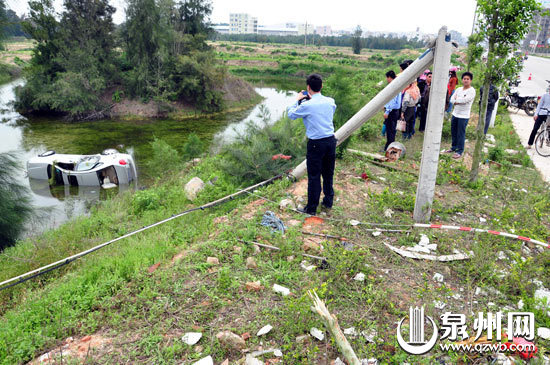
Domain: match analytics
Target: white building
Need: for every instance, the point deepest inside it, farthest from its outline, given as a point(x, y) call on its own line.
point(222, 28)
point(242, 24)
point(306, 29)
point(324, 31)
point(277, 30)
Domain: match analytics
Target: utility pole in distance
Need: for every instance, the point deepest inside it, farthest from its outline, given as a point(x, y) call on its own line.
point(434, 127)
point(305, 35)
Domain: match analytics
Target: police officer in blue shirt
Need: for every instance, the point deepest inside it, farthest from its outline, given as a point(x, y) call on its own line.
point(392, 111)
point(317, 112)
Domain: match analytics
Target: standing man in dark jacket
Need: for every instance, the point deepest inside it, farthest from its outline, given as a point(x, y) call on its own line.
point(493, 98)
point(317, 114)
point(424, 102)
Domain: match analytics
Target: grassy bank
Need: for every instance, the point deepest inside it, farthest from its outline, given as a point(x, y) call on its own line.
point(144, 312)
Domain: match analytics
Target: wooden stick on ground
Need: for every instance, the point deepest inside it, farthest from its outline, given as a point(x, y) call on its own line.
point(332, 323)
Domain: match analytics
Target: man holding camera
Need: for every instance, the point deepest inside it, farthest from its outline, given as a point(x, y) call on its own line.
point(317, 112)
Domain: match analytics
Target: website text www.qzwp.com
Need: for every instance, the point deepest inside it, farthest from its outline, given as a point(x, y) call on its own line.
point(488, 347)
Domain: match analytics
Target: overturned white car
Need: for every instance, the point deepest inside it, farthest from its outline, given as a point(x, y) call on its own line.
point(108, 169)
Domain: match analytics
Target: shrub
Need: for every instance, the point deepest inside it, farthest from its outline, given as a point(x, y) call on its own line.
point(146, 200)
point(496, 153)
point(164, 158)
point(192, 147)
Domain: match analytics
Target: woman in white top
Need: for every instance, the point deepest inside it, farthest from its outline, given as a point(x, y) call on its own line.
point(462, 99)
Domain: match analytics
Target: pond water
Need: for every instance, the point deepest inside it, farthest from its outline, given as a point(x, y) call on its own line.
point(28, 137)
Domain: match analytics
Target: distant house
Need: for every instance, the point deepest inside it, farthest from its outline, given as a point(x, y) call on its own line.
point(241, 23)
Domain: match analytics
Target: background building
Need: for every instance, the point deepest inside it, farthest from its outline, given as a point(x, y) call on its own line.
point(242, 24)
point(306, 28)
point(539, 35)
point(324, 31)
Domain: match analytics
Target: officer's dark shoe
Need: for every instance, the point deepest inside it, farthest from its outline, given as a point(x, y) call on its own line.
point(325, 207)
point(305, 211)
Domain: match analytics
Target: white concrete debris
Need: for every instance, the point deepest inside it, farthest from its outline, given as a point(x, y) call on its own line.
point(457, 296)
point(388, 213)
point(251, 360)
point(369, 335)
point(278, 353)
point(438, 277)
point(317, 333)
point(354, 222)
point(501, 255)
point(191, 338)
point(376, 233)
point(439, 304)
point(482, 220)
point(424, 240)
point(205, 361)
point(543, 332)
point(480, 291)
point(371, 361)
point(287, 203)
point(520, 304)
point(419, 248)
point(537, 283)
point(490, 138)
point(350, 332)
point(359, 277)
point(264, 330)
point(281, 290)
point(339, 362)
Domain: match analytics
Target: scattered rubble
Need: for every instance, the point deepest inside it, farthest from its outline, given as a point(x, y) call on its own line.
point(388, 213)
point(251, 263)
point(231, 340)
point(438, 277)
point(287, 203)
point(317, 333)
point(359, 277)
point(205, 361)
point(264, 330)
point(191, 338)
point(442, 258)
point(193, 187)
point(281, 290)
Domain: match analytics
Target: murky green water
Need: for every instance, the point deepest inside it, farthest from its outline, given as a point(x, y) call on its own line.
point(29, 137)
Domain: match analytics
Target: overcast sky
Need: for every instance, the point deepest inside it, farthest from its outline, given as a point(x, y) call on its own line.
point(373, 15)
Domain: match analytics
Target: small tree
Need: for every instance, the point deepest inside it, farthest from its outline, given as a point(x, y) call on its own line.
point(356, 42)
point(503, 24)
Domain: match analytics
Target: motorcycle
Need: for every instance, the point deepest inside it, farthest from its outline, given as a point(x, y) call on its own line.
point(511, 98)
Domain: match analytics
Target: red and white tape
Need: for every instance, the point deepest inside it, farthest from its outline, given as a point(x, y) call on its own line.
point(479, 230)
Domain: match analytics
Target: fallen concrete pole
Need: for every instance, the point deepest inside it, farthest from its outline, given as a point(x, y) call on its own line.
point(377, 103)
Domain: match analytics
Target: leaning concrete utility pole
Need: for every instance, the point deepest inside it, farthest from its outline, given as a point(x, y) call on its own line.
point(378, 102)
point(434, 127)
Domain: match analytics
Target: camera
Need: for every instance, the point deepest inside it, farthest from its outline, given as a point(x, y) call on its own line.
point(307, 97)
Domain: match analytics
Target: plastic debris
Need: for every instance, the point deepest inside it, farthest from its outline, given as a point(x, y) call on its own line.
point(264, 330)
point(205, 361)
point(438, 277)
point(269, 219)
point(359, 277)
point(395, 151)
point(317, 333)
point(281, 290)
point(191, 338)
point(280, 156)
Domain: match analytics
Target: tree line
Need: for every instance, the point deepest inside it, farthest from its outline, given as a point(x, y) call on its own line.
point(371, 42)
point(159, 53)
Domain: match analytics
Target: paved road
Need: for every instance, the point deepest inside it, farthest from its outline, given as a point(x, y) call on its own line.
point(539, 68)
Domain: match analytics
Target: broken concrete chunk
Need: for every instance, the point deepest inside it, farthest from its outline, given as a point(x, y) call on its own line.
point(287, 203)
point(231, 340)
point(205, 361)
point(254, 286)
point(317, 333)
point(191, 338)
point(278, 353)
point(264, 330)
point(359, 277)
point(281, 290)
point(193, 187)
point(250, 360)
point(438, 277)
point(418, 248)
point(350, 332)
point(424, 240)
point(388, 213)
point(212, 261)
point(251, 263)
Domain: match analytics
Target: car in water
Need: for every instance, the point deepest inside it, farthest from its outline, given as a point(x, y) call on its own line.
point(107, 169)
